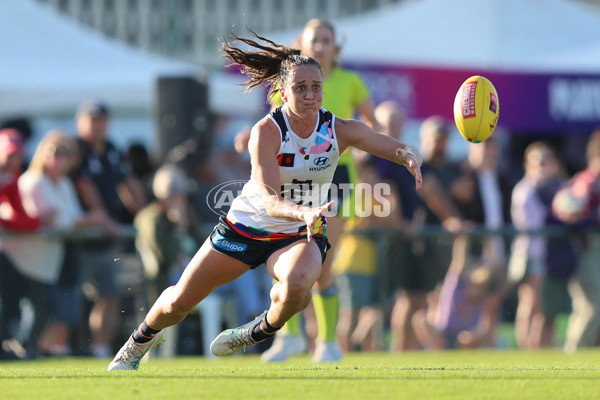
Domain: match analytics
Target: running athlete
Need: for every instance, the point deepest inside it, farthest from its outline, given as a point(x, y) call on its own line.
point(278, 219)
point(344, 94)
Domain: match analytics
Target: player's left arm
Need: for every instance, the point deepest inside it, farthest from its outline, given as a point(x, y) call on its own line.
point(356, 134)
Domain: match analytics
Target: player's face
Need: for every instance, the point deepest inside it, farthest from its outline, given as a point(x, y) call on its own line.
point(303, 90)
point(318, 42)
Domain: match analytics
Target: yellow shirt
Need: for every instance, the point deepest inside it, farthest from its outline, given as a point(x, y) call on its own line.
point(356, 254)
point(348, 92)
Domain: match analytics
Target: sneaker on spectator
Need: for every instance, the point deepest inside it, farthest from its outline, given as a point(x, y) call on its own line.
point(283, 347)
point(59, 350)
point(327, 351)
point(101, 350)
point(13, 348)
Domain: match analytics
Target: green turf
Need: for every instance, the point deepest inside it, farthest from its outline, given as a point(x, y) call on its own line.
point(416, 375)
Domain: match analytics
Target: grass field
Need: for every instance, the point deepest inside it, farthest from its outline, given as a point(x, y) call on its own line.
point(419, 375)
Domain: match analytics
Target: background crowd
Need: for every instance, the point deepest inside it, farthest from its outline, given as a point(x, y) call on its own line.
point(446, 269)
point(90, 234)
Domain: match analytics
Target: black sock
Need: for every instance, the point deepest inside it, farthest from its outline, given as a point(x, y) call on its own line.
point(144, 333)
point(263, 330)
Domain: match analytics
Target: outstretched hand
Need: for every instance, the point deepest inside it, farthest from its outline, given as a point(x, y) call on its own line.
point(311, 216)
point(412, 160)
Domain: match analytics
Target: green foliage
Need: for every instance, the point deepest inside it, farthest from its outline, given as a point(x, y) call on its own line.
point(417, 375)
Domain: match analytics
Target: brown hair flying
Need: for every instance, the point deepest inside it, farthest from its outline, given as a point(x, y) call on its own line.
point(269, 66)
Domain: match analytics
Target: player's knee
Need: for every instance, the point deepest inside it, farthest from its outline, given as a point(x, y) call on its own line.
point(175, 302)
point(297, 290)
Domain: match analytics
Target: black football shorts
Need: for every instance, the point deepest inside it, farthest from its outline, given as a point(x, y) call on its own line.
point(224, 239)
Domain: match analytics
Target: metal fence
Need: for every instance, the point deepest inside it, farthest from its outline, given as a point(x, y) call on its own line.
point(390, 248)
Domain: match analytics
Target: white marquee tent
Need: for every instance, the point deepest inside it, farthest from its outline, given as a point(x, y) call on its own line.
point(49, 64)
point(542, 55)
point(526, 35)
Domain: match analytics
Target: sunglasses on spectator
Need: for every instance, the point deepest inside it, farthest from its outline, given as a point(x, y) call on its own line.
point(60, 151)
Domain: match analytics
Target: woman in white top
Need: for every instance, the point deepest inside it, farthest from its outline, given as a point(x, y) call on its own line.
point(279, 217)
point(46, 188)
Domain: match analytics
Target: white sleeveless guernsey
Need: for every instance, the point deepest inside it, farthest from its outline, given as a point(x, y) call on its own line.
point(306, 168)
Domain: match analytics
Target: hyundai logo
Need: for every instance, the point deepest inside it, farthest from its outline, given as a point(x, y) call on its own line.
point(321, 160)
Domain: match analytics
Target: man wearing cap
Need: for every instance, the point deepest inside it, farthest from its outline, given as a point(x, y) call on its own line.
point(104, 183)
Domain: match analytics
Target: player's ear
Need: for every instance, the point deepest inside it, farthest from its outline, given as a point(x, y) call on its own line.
point(282, 94)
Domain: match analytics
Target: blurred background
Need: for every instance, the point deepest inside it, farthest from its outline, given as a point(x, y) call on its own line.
point(542, 56)
point(155, 65)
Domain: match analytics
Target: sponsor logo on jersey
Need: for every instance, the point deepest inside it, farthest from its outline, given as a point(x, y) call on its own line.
point(285, 159)
point(321, 161)
point(228, 245)
point(321, 164)
point(317, 169)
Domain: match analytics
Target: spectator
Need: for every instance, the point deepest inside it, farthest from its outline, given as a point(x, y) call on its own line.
point(401, 261)
point(104, 184)
point(11, 160)
point(361, 318)
point(390, 117)
point(526, 267)
point(15, 284)
point(455, 316)
point(189, 157)
point(45, 188)
point(578, 204)
point(482, 195)
point(23, 126)
point(167, 229)
point(559, 253)
point(431, 255)
point(142, 167)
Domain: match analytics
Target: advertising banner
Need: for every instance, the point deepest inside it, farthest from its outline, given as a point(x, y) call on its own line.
point(529, 102)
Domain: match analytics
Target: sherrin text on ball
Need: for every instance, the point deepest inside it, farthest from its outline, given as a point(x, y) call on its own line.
point(476, 109)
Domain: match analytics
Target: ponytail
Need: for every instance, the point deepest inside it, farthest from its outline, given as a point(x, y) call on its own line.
point(269, 66)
